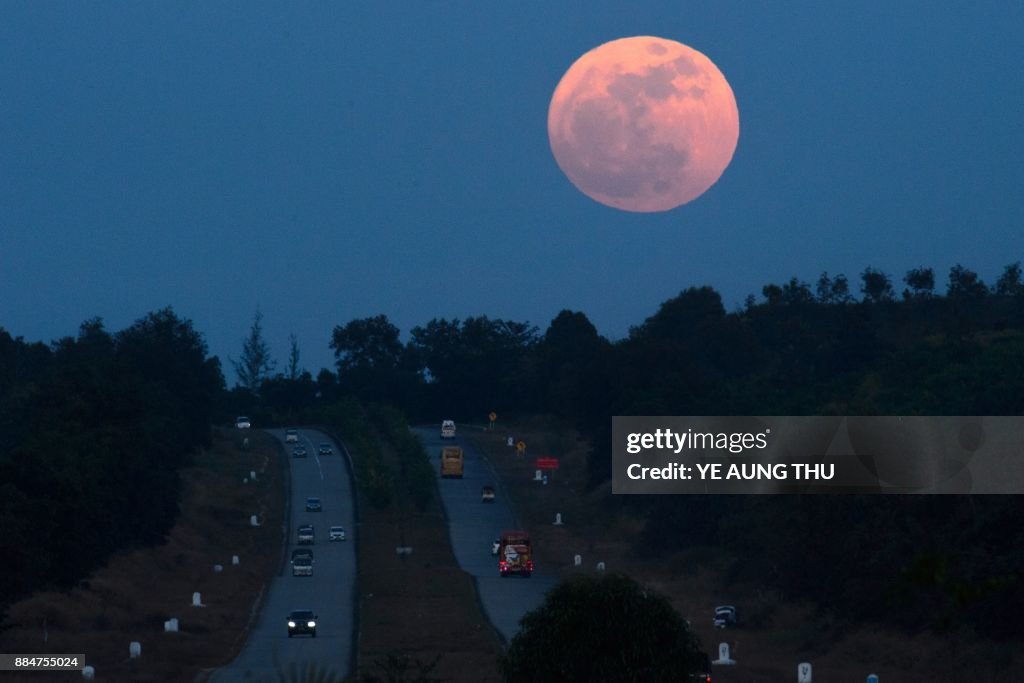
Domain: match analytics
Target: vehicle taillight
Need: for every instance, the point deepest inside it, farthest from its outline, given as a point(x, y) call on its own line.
point(502, 564)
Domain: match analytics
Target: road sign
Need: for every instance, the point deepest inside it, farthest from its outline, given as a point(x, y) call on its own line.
point(493, 416)
point(872, 678)
point(521, 447)
point(547, 463)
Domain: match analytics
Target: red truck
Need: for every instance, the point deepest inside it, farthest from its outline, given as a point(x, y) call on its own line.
point(514, 554)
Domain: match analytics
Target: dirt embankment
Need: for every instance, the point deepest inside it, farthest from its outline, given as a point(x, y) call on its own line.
point(131, 598)
point(599, 529)
point(421, 604)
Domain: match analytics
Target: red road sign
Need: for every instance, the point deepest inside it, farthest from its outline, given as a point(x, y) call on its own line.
point(547, 463)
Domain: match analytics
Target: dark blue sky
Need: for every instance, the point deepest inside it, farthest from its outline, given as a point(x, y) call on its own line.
point(340, 160)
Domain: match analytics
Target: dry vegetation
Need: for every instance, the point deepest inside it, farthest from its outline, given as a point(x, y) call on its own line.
point(599, 528)
point(421, 604)
point(130, 598)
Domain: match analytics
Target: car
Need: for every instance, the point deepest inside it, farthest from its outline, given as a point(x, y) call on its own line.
point(703, 674)
point(301, 621)
point(302, 566)
point(313, 505)
point(725, 616)
point(495, 546)
point(337, 533)
point(306, 535)
point(302, 552)
point(243, 422)
point(299, 452)
point(487, 493)
point(448, 429)
point(291, 436)
point(325, 449)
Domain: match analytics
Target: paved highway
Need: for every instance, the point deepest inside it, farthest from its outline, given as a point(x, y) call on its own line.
point(329, 592)
point(473, 526)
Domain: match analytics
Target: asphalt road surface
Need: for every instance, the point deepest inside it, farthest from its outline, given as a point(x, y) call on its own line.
point(329, 592)
point(473, 525)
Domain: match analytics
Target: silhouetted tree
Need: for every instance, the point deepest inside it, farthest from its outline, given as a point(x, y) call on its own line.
point(689, 312)
point(920, 283)
point(365, 344)
point(620, 632)
point(1009, 283)
point(371, 359)
point(797, 293)
point(476, 365)
point(566, 356)
point(876, 286)
point(293, 357)
point(833, 291)
point(256, 363)
point(772, 294)
point(841, 290)
point(103, 425)
point(170, 356)
point(965, 284)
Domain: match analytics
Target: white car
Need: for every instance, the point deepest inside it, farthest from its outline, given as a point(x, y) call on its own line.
point(291, 436)
point(242, 422)
point(337, 533)
point(448, 429)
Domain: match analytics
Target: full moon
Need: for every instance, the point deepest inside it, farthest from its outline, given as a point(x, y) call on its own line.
point(643, 124)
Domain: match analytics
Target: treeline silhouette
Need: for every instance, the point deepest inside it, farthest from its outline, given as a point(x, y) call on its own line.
point(95, 430)
point(801, 349)
point(97, 427)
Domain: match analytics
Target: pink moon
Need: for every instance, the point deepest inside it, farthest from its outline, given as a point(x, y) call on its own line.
point(643, 124)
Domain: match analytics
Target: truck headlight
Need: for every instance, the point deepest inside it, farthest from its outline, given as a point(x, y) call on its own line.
point(311, 624)
point(291, 624)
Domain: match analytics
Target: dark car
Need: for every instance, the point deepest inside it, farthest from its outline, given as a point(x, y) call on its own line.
point(703, 674)
point(301, 621)
point(725, 616)
point(325, 449)
point(313, 505)
point(302, 552)
point(299, 452)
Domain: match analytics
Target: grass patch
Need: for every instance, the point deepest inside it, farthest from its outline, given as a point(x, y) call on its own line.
point(419, 616)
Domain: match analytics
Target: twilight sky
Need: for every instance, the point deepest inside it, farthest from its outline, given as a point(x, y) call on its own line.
point(337, 160)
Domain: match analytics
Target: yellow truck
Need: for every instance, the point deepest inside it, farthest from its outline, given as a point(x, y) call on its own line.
point(451, 462)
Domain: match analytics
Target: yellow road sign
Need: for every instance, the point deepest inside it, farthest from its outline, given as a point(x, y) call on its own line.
point(521, 446)
point(493, 416)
